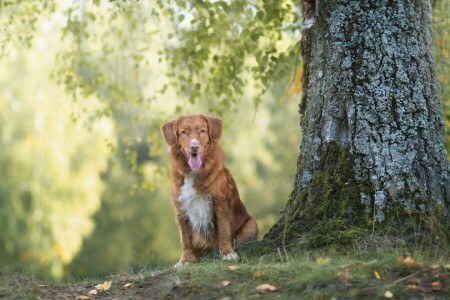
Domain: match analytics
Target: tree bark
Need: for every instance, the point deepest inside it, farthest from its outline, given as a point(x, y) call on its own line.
point(372, 157)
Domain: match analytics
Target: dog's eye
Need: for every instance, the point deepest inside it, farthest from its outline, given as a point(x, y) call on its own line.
point(202, 130)
point(184, 131)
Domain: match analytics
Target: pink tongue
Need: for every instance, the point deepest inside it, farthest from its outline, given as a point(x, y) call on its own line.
point(195, 162)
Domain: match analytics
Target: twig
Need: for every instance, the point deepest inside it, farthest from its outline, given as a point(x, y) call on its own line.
point(404, 278)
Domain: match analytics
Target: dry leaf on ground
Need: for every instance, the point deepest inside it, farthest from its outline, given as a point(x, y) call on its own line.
point(435, 266)
point(128, 285)
point(408, 262)
point(93, 292)
point(83, 297)
point(103, 286)
point(376, 274)
point(322, 261)
point(232, 268)
point(266, 288)
point(344, 276)
point(388, 294)
point(106, 285)
point(436, 286)
point(259, 274)
point(225, 283)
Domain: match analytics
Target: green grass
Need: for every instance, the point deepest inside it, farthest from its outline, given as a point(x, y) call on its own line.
point(306, 275)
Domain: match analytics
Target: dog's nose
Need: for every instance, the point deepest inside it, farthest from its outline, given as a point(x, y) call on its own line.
point(195, 145)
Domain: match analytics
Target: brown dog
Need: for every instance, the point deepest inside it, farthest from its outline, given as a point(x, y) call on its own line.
point(209, 211)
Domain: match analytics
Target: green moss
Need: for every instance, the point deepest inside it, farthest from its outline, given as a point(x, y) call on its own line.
point(329, 210)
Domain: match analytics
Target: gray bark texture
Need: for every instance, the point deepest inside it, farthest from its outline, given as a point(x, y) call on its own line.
point(373, 149)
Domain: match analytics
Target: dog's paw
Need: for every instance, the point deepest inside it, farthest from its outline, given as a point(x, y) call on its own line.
point(232, 256)
point(180, 264)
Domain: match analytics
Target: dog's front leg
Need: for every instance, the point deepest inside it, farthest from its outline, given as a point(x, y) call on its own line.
point(188, 254)
point(224, 231)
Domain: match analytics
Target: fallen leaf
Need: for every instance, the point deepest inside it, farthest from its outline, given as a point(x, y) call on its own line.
point(377, 275)
point(232, 268)
point(411, 286)
point(436, 286)
point(322, 261)
point(225, 283)
point(83, 297)
point(435, 266)
point(266, 288)
point(414, 283)
point(93, 292)
point(103, 286)
point(388, 294)
point(260, 274)
point(128, 285)
point(42, 285)
point(408, 262)
point(344, 276)
point(106, 285)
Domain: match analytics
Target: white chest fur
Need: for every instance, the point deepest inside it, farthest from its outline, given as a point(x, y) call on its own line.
point(198, 209)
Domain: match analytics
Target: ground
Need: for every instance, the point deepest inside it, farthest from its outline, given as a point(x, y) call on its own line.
point(396, 274)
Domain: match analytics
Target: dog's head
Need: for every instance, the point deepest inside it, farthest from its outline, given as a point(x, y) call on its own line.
point(193, 134)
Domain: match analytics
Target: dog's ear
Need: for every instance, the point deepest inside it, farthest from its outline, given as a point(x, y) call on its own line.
point(169, 132)
point(215, 128)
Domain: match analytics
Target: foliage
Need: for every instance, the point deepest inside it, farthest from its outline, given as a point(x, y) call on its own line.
point(441, 23)
point(50, 185)
point(18, 22)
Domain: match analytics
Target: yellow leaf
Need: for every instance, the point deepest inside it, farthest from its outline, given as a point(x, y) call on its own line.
point(260, 274)
point(322, 261)
point(388, 294)
point(441, 78)
point(106, 285)
point(377, 275)
point(408, 262)
point(266, 288)
point(445, 53)
point(83, 297)
point(232, 268)
point(92, 292)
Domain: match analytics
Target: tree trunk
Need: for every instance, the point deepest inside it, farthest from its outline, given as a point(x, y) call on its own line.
point(372, 157)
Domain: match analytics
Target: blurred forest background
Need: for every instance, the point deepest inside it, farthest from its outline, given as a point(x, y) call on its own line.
point(84, 88)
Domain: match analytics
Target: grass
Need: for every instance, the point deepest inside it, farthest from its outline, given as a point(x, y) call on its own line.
point(307, 275)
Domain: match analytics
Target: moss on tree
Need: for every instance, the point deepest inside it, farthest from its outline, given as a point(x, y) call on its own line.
point(331, 211)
